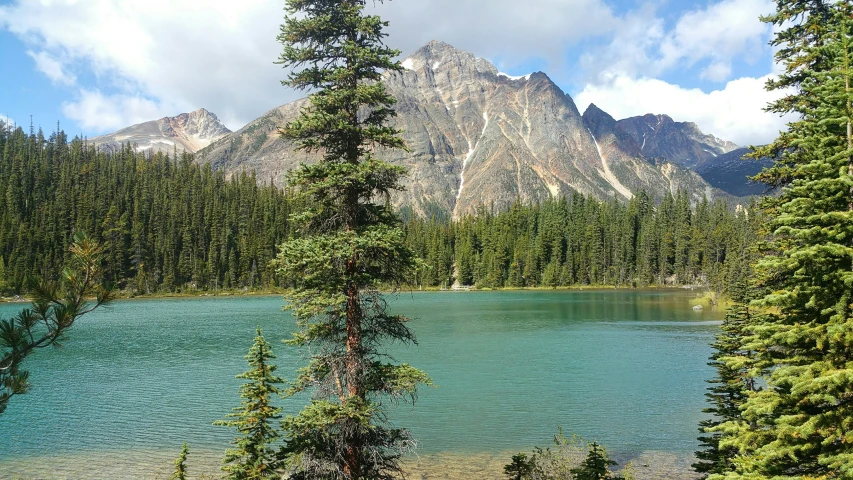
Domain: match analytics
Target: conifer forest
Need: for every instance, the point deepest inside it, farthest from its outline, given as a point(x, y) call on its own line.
point(170, 225)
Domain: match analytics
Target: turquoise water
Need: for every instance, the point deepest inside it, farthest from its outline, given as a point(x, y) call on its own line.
point(138, 378)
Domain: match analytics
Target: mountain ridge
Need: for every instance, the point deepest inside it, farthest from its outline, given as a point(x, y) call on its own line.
point(477, 137)
point(188, 132)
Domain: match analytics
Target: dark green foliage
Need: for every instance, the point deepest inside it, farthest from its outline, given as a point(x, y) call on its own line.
point(728, 391)
point(581, 241)
point(173, 226)
point(803, 30)
point(351, 245)
point(180, 472)
point(4, 284)
point(596, 466)
point(56, 305)
point(801, 425)
point(736, 366)
point(520, 468)
point(568, 459)
point(254, 454)
point(165, 224)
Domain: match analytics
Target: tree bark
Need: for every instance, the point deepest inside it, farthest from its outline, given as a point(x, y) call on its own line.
point(849, 109)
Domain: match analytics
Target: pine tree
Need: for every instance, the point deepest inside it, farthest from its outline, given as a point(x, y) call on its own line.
point(801, 425)
point(596, 466)
point(352, 246)
point(4, 284)
point(254, 456)
point(56, 306)
point(728, 391)
point(519, 468)
point(736, 367)
point(803, 30)
point(180, 472)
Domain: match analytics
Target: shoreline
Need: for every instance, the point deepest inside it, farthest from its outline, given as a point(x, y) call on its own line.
point(702, 296)
point(205, 462)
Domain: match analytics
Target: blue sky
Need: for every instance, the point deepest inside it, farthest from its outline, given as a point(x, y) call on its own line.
point(100, 65)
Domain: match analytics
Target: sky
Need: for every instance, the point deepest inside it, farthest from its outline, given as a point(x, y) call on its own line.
point(95, 66)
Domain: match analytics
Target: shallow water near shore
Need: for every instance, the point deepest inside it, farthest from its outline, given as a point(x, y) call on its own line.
point(138, 378)
point(158, 465)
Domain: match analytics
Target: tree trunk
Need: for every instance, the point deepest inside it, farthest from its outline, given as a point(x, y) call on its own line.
point(849, 109)
point(354, 313)
point(353, 326)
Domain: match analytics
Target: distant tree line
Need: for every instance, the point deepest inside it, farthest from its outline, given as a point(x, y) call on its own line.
point(164, 222)
point(583, 241)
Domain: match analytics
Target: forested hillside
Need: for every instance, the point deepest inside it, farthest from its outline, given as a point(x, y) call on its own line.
point(170, 225)
point(166, 223)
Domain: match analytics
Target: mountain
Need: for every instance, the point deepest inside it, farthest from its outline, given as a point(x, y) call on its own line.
point(658, 136)
point(655, 175)
point(729, 173)
point(186, 132)
point(478, 137)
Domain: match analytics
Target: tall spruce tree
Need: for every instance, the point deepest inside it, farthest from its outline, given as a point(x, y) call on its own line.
point(736, 366)
point(803, 28)
point(728, 391)
point(254, 456)
point(801, 425)
point(352, 245)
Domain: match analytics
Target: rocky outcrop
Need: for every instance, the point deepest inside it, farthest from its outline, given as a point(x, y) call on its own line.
point(480, 137)
point(730, 173)
point(654, 175)
point(188, 132)
point(659, 137)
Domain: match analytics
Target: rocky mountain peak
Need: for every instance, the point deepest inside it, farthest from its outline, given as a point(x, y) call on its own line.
point(438, 57)
point(478, 137)
point(188, 132)
point(656, 121)
point(661, 137)
point(200, 125)
point(597, 119)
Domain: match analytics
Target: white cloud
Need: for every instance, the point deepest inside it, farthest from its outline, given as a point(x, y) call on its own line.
point(97, 111)
point(624, 77)
point(219, 54)
point(508, 31)
point(631, 50)
point(717, 71)
point(721, 32)
point(733, 113)
point(7, 120)
point(53, 68)
point(216, 54)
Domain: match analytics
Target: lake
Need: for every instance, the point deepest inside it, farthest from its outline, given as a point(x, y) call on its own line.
point(137, 378)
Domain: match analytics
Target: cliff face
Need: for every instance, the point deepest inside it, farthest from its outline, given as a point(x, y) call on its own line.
point(658, 136)
point(479, 137)
point(655, 175)
point(186, 132)
point(730, 171)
